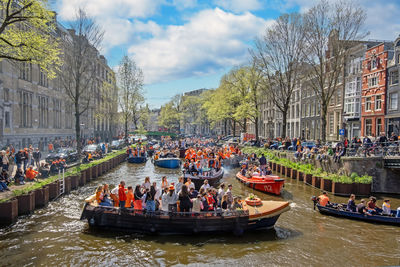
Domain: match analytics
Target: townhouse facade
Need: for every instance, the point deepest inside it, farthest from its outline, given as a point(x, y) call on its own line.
point(392, 117)
point(310, 111)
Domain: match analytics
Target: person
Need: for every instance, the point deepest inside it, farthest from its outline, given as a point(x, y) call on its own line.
point(386, 210)
point(150, 202)
point(138, 198)
point(172, 199)
point(164, 201)
point(398, 213)
point(31, 173)
point(371, 205)
point(114, 196)
point(185, 203)
point(351, 204)
point(361, 208)
point(230, 196)
point(19, 158)
point(98, 194)
point(323, 199)
point(3, 181)
point(236, 205)
point(263, 164)
point(268, 171)
point(36, 156)
point(146, 183)
point(179, 185)
point(121, 194)
point(205, 185)
point(224, 202)
point(19, 177)
point(44, 170)
point(5, 160)
point(193, 193)
point(129, 198)
point(105, 201)
point(197, 205)
point(189, 183)
point(164, 183)
point(210, 200)
point(221, 193)
point(204, 201)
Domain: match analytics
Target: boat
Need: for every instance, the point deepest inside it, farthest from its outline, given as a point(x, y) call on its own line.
point(137, 159)
point(198, 180)
point(170, 163)
point(268, 183)
point(263, 216)
point(233, 161)
point(339, 210)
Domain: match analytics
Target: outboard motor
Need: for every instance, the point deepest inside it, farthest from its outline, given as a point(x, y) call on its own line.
point(315, 200)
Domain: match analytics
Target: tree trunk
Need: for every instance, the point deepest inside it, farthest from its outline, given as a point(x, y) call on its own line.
point(284, 122)
point(324, 109)
point(234, 128)
point(256, 129)
point(78, 129)
point(126, 128)
point(244, 125)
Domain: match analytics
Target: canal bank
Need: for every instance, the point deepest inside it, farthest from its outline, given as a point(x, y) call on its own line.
point(302, 237)
point(23, 200)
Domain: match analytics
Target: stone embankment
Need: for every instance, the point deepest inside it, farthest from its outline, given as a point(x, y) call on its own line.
point(23, 203)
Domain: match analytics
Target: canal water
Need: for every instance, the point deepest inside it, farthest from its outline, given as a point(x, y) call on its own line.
point(54, 236)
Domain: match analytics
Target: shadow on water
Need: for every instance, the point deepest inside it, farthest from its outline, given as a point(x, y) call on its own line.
point(251, 237)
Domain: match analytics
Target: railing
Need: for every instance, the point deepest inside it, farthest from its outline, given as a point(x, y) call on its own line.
point(386, 149)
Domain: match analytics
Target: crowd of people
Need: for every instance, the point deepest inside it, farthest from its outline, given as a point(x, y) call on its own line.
point(368, 208)
point(168, 197)
point(253, 166)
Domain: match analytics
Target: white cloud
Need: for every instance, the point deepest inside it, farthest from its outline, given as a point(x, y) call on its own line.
point(211, 40)
point(184, 4)
point(239, 5)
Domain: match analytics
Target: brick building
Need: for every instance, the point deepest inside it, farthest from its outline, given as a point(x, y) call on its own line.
point(373, 94)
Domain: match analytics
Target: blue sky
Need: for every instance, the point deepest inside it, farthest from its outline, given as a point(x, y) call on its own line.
point(183, 45)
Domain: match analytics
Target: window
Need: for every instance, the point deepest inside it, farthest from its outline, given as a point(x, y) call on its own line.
point(43, 111)
point(368, 104)
point(25, 71)
point(374, 63)
point(7, 119)
point(368, 127)
point(378, 126)
point(393, 98)
point(373, 81)
point(297, 111)
point(394, 77)
point(25, 107)
point(56, 113)
point(43, 81)
point(331, 123)
point(378, 102)
point(68, 116)
point(6, 95)
point(339, 97)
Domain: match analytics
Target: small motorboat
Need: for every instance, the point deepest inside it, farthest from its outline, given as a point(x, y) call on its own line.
point(268, 183)
point(262, 216)
point(137, 159)
point(170, 163)
point(339, 210)
point(212, 176)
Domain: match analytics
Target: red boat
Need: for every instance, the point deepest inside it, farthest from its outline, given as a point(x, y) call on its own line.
point(269, 183)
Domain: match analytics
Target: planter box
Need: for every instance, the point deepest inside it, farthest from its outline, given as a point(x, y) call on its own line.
point(362, 189)
point(94, 172)
point(316, 181)
point(283, 170)
point(308, 179)
point(74, 182)
point(26, 203)
point(88, 174)
point(67, 185)
point(342, 189)
point(8, 212)
point(326, 185)
point(82, 178)
point(278, 168)
point(273, 166)
point(294, 174)
point(300, 176)
point(42, 197)
point(54, 190)
point(288, 172)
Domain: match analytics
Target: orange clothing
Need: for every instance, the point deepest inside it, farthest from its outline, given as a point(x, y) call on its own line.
point(31, 174)
point(323, 200)
point(129, 198)
point(115, 199)
point(138, 204)
point(51, 147)
point(121, 193)
point(98, 199)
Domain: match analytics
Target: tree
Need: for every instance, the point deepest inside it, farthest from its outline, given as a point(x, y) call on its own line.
point(27, 34)
point(130, 91)
point(279, 55)
point(330, 29)
point(106, 110)
point(170, 114)
point(78, 73)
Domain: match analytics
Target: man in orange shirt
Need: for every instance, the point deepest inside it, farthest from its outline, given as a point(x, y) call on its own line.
point(323, 199)
point(31, 173)
point(121, 194)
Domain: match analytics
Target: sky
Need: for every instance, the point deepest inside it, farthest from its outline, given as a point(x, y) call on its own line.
point(183, 45)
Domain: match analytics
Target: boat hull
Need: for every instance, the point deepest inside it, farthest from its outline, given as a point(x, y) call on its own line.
point(268, 184)
point(199, 180)
point(137, 160)
point(359, 216)
point(128, 220)
point(169, 163)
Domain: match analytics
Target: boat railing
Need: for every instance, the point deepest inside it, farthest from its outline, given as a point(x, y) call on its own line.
point(159, 213)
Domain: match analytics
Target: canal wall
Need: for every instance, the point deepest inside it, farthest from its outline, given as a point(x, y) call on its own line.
point(26, 203)
point(384, 180)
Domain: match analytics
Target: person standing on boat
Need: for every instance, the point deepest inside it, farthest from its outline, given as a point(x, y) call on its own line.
point(164, 183)
point(179, 184)
point(121, 194)
point(323, 199)
point(138, 198)
point(263, 165)
point(146, 184)
point(351, 204)
point(185, 204)
point(129, 198)
point(150, 202)
point(189, 184)
point(205, 185)
point(172, 199)
point(230, 196)
point(114, 196)
point(386, 210)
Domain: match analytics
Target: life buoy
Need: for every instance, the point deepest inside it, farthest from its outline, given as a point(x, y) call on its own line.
point(253, 202)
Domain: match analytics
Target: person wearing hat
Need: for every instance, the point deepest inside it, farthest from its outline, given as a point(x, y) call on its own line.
point(323, 199)
point(386, 210)
point(171, 198)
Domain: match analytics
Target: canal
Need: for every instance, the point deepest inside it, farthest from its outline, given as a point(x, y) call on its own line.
point(54, 236)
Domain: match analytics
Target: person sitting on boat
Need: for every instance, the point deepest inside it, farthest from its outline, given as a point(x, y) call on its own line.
point(205, 185)
point(121, 194)
point(323, 199)
point(193, 193)
point(224, 202)
point(268, 171)
point(193, 167)
point(229, 194)
point(362, 208)
point(129, 197)
point(98, 194)
point(386, 210)
point(164, 183)
point(114, 196)
point(172, 199)
point(236, 205)
point(351, 204)
point(105, 200)
point(371, 205)
point(197, 205)
point(179, 185)
point(189, 183)
point(146, 184)
point(138, 198)
point(186, 165)
point(210, 200)
point(185, 204)
point(243, 170)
